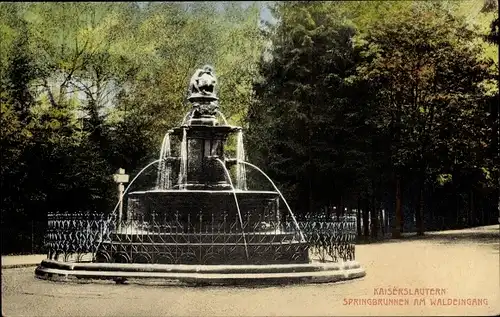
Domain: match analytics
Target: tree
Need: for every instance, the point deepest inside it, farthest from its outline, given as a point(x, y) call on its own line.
point(429, 78)
point(345, 111)
point(302, 118)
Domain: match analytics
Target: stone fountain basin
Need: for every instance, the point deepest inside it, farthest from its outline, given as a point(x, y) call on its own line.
point(216, 206)
point(202, 274)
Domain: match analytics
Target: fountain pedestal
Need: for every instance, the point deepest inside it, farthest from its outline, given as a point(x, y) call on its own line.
point(204, 145)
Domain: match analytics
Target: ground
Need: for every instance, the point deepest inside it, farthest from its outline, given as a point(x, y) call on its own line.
point(460, 264)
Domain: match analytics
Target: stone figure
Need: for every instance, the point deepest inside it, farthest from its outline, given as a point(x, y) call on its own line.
point(202, 93)
point(203, 82)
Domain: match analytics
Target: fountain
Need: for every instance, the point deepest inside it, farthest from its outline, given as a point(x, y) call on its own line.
point(196, 224)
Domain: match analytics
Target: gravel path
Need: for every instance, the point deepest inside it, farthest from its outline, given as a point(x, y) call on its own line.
point(446, 265)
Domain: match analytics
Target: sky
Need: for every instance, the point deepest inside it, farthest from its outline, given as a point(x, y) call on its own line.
point(265, 14)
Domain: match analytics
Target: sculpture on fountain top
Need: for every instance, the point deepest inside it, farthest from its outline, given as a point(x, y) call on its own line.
point(203, 84)
point(203, 95)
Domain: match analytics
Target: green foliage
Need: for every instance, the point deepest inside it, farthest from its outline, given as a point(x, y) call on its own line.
point(352, 94)
point(91, 87)
point(443, 179)
point(302, 102)
point(428, 78)
point(187, 37)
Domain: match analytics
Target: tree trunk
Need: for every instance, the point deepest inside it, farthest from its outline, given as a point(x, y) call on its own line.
point(366, 218)
point(337, 210)
point(396, 233)
point(482, 213)
point(472, 210)
point(498, 171)
point(310, 158)
point(374, 214)
point(358, 219)
point(310, 195)
point(430, 207)
point(419, 212)
point(380, 199)
point(381, 221)
point(342, 210)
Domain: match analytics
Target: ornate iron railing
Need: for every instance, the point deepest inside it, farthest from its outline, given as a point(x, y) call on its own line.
point(198, 238)
point(330, 238)
point(76, 236)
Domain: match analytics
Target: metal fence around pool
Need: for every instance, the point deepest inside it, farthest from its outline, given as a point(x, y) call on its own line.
point(23, 236)
point(200, 239)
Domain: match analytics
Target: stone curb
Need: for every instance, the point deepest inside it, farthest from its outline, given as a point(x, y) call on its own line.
point(204, 279)
point(205, 269)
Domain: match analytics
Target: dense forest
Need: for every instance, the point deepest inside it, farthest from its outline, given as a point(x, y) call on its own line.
point(386, 108)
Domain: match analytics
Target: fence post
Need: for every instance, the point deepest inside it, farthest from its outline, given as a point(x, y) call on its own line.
point(120, 178)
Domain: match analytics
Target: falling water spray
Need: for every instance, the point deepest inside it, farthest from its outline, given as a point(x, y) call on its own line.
point(160, 165)
point(183, 168)
point(282, 197)
point(241, 179)
point(167, 168)
point(222, 116)
point(163, 177)
point(237, 204)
